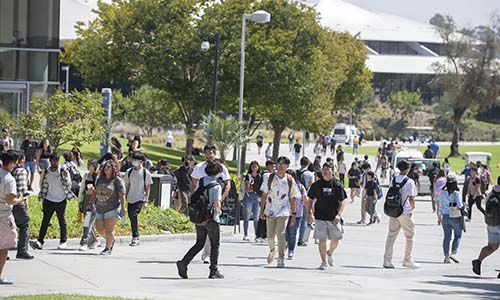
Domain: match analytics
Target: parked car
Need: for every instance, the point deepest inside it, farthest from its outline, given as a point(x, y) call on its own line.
point(424, 165)
point(404, 153)
point(344, 133)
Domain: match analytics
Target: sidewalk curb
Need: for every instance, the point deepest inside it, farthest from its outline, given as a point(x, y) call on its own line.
point(226, 231)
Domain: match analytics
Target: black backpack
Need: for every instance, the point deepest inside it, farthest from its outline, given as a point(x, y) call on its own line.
point(492, 214)
point(198, 208)
point(393, 206)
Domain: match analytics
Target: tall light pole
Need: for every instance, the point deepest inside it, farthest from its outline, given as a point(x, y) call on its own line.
point(205, 46)
point(66, 88)
point(259, 16)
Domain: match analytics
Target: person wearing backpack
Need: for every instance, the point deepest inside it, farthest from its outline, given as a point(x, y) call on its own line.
point(74, 173)
point(370, 196)
point(474, 192)
point(252, 182)
point(261, 234)
point(212, 199)
point(305, 175)
point(492, 219)
point(326, 206)
point(279, 192)
point(138, 181)
point(449, 216)
point(399, 204)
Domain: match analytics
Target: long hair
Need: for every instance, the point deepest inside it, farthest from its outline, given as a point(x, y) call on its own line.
point(251, 165)
point(114, 166)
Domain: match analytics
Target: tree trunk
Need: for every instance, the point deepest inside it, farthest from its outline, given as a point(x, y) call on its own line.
point(189, 135)
point(235, 153)
point(454, 141)
point(243, 158)
point(278, 130)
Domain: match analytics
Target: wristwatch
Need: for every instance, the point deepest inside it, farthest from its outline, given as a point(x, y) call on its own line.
point(294, 213)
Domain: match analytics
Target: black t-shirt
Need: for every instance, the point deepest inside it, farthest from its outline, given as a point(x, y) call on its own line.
point(255, 182)
point(328, 195)
point(371, 186)
point(354, 183)
point(29, 149)
point(297, 148)
point(183, 176)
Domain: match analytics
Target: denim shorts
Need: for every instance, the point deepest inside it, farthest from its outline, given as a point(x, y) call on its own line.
point(493, 234)
point(30, 166)
point(114, 213)
point(44, 164)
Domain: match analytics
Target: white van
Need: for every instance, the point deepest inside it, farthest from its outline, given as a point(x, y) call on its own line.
point(343, 133)
point(404, 153)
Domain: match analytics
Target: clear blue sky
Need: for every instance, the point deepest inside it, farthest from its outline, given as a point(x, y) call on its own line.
point(465, 12)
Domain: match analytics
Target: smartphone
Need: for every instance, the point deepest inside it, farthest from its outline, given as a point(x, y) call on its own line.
point(90, 186)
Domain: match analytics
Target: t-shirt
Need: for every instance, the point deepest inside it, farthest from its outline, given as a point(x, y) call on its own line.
point(342, 168)
point(7, 143)
point(7, 186)
point(199, 172)
point(183, 176)
point(297, 147)
point(299, 205)
point(328, 195)
point(55, 192)
point(108, 193)
point(354, 182)
point(29, 148)
point(255, 182)
point(307, 177)
point(408, 190)
point(370, 187)
point(134, 181)
point(280, 201)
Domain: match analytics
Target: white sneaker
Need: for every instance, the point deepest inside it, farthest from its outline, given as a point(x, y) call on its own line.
point(323, 266)
point(84, 247)
point(257, 240)
point(388, 265)
point(467, 220)
point(454, 258)
point(447, 260)
point(281, 263)
point(62, 246)
point(331, 260)
point(94, 245)
point(245, 238)
point(290, 255)
point(410, 264)
point(270, 256)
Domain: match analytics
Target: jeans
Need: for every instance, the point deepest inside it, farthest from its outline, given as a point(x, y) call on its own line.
point(133, 210)
point(478, 201)
point(252, 207)
point(89, 235)
point(48, 208)
point(291, 233)
point(20, 212)
point(212, 230)
point(303, 225)
point(449, 225)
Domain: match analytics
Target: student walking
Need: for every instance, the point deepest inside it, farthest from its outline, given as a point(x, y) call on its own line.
point(251, 203)
point(269, 152)
point(30, 146)
point(474, 193)
point(370, 197)
point(305, 176)
point(403, 190)
point(261, 234)
point(342, 167)
point(183, 176)
point(277, 205)
point(210, 227)
point(8, 198)
point(354, 180)
point(56, 190)
point(301, 204)
point(327, 197)
point(138, 182)
point(450, 218)
point(297, 147)
point(89, 237)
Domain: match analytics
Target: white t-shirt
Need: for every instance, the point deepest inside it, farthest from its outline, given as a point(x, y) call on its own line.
point(280, 203)
point(56, 192)
point(408, 190)
point(169, 139)
point(199, 172)
point(135, 184)
point(307, 178)
point(7, 186)
point(342, 168)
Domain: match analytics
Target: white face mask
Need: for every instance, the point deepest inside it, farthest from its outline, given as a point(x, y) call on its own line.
point(135, 163)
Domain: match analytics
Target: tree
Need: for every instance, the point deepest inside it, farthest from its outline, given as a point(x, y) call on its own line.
point(224, 133)
point(151, 42)
point(151, 108)
point(74, 118)
point(405, 103)
point(470, 77)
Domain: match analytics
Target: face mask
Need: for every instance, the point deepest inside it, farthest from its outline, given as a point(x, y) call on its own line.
point(135, 163)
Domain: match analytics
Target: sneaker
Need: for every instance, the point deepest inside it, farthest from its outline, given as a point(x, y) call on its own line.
point(36, 245)
point(215, 275)
point(204, 257)
point(24, 255)
point(94, 245)
point(361, 222)
point(410, 264)
point(5, 281)
point(290, 255)
point(301, 244)
point(281, 263)
point(84, 247)
point(134, 242)
point(245, 238)
point(476, 266)
point(323, 266)
point(106, 251)
point(182, 269)
point(388, 265)
point(270, 256)
point(454, 258)
point(62, 246)
point(447, 259)
point(467, 220)
point(331, 259)
point(377, 219)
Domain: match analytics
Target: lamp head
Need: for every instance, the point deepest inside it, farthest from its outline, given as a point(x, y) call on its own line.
point(261, 16)
point(205, 46)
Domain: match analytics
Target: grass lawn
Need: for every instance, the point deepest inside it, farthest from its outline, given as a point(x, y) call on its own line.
point(61, 297)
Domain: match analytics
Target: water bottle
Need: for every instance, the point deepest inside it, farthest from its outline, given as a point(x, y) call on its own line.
point(122, 218)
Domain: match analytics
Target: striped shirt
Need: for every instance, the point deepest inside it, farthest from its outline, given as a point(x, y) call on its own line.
point(21, 177)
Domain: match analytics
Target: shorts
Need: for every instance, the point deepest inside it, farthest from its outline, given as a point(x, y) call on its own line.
point(44, 164)
point(114, 213)
point(328, 230)
point(493, 234)
point(30, 166)
point(8, 233)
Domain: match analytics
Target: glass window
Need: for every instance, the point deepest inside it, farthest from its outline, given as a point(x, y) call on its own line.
point(28, 66)
point(13, 65)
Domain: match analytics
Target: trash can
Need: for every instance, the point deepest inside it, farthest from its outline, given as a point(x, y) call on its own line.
point(162, 190)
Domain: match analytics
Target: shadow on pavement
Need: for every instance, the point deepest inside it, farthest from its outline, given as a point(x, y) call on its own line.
point(170, 262)
point(76, 253)
point(474, 290)
point(364, 267)
point(168, 278)
point(252, 257)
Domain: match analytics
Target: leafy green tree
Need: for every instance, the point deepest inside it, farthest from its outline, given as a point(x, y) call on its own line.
point(405, 103)
point(224, 133)
point(7, 120)
point(75, 118)
point(470, 77)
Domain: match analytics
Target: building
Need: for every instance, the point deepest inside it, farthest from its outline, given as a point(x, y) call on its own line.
point(29, 52)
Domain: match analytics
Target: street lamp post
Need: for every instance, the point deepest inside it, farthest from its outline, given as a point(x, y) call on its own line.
point(66, 88)
point(259, 16)
point(205, 46)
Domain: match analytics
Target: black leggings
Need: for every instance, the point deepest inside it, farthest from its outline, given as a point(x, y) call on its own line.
point(133, 210)
point(49, 208)
point(212, 230)
point(478, 201)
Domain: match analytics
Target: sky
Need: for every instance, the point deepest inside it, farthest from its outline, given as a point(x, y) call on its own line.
point(468, 13)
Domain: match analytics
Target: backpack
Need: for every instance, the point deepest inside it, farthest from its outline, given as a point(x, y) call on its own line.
point(393, 206)
point(492, 213)
point(484, 182)
point(199, 203)
point(380, 194)
point(299, 174)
